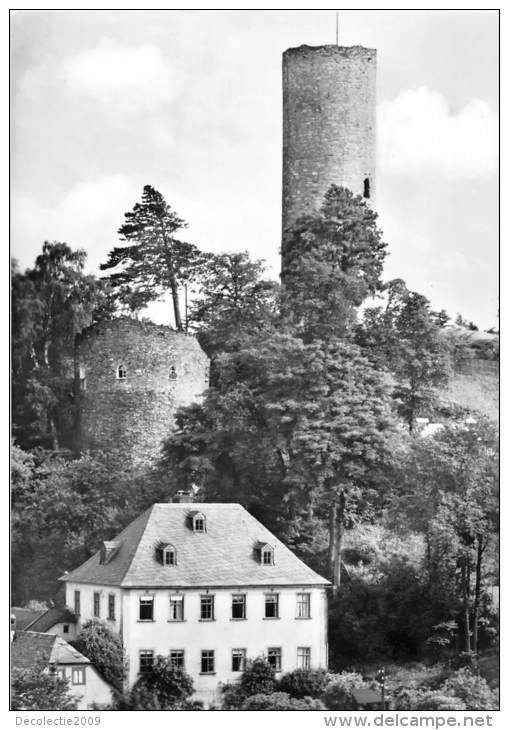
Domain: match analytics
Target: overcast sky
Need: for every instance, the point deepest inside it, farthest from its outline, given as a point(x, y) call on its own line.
point(105, 102)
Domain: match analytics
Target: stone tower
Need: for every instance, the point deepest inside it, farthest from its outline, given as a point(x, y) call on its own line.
point(329, 100)
point(131, 377)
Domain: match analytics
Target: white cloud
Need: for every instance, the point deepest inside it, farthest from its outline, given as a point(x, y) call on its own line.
point(138, 76)
point(418, 136)
point(87, 217)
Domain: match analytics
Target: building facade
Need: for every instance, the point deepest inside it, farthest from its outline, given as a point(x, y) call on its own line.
point(130, 378)
point(208, 586)
point(329, 125)
point(51, 653)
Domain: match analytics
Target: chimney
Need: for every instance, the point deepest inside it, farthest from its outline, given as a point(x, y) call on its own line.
point(183, 496)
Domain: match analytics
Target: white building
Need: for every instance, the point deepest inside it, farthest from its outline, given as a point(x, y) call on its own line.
point(49, 651)
point(209, 586)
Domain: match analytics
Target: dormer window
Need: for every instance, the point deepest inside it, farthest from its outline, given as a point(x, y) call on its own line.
point(166, 554)
point(173, 373)
point(268, 556)
point(109, 549)
point(121, 372)
point(198, 522)
point(265, 553)
point(169, 556)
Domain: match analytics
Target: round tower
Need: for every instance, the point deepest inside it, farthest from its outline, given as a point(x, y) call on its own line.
point(329, 100)
point(131, 377)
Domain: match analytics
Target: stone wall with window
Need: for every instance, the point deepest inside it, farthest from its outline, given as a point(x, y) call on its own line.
point(329, 125)
point(130, 377)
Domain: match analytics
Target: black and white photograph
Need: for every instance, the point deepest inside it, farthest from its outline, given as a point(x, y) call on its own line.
point(254, 348)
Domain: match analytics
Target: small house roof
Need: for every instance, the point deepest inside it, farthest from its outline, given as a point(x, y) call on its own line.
point(25, 616)
point(29, 648)
point(222, 556)
point(366, 696)
point(50, 618)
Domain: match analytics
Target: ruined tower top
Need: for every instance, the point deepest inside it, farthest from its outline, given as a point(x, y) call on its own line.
point(329, 136)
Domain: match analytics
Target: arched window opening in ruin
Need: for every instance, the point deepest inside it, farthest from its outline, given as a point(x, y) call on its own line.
point(122, 372)
point(366, 193)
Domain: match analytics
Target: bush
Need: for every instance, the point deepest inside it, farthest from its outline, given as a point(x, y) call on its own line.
point(104, 650)
point(232, 696)
point(281, 701)
point(258, 678)
point(472, 689)
point(36, 689)
point(304, 683)
point(438, 701)
point(163, 688)
point(338, 694)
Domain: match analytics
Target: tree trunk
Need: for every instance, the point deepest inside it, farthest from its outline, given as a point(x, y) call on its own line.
point(465, 580)
point(477, 595)
point(336, 533)
point(54, 433)
point(176, 304)
point(333, 510)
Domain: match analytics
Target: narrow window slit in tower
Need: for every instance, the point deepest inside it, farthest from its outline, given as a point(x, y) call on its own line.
point(366, 193)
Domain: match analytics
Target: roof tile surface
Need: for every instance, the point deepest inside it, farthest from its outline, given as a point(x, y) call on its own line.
point(223, 555)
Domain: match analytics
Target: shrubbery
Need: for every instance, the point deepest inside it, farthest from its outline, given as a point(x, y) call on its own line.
point(304, 683)
point(338, 694)
point(281, 701)
point(163, 688)
point(472, 689)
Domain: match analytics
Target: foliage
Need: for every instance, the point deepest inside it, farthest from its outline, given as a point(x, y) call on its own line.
point(280, 701)
point(437, 701)
point(162, 688)
point(472, 689)
point(448, 489)
point(405, 337)
point(50, 303)
point(332, 260)
point(153, 261)
point(259, 677)
point(297, 423)
point(234, 302)
point(338, 694)
point(304, 682)
point(38, 689)
point(104, 649)
point(63, 509)
point(232, 696)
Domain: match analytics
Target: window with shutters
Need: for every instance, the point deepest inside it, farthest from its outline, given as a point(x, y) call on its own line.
point(303, 657)
point(176, 608)
point(303, 605)
point(239, 605)
point(274, 657)
point(207, 662)
point(238, 660)
point(271, 605)
point(207, 608)
point(146, 612)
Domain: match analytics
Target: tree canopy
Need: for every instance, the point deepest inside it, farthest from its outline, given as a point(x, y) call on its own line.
point(153, 260)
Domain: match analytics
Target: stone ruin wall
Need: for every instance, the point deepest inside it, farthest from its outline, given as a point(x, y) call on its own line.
point(134, 414)
point(329, 124)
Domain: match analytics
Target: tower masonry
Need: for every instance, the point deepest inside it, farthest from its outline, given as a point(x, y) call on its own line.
point(131, 377)
point(329, 119)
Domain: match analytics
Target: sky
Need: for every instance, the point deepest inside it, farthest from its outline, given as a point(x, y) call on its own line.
point(104, 102)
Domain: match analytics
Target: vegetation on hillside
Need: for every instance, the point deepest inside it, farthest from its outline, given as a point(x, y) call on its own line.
point(311, 422)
